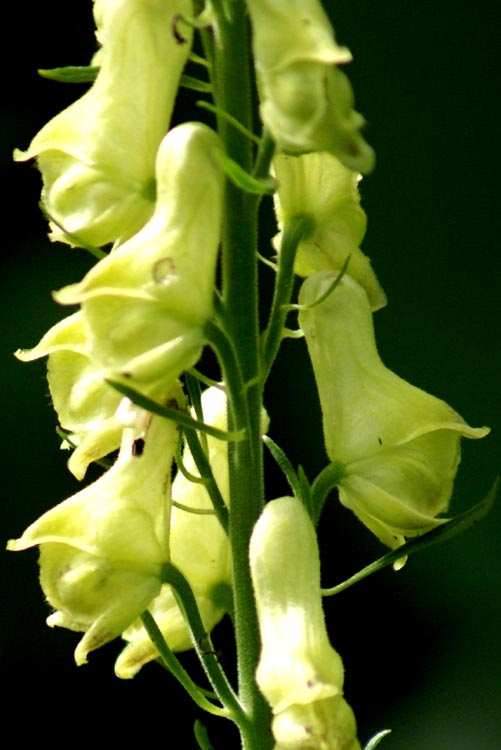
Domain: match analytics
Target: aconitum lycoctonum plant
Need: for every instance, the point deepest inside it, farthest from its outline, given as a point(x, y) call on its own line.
point(179, 530)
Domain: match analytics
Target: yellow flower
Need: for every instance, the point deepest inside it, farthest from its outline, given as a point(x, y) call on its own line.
point(398, 447)
point(145, 305)
point(86, 405)
point(97, 157)
point(319, 186)
point(299, 673)
point(199, 547)
point(306, 101)
point(102, 550)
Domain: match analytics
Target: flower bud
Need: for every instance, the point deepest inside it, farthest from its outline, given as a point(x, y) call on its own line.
point(97, 157)
point(145, 305)
point(299, 673)
point(306, 101)
point(319, 186)
point(199, 547)
point(102, 550)
point(398, 446)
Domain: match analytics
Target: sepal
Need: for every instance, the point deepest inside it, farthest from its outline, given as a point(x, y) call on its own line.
point(319, 186)
point(306, 100)
point(102, 550)
point(85, 404)
point(398, 447)
point(145, 305)
point(97, 157)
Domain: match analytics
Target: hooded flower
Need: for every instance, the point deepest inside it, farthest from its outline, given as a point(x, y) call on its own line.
point(299, 673)
point(319, 186)
point(145, 305)
point(86, 406)
point(102, 550)
point(398, 447)
point(199, 548)
point(306, 101)
point(97, 157)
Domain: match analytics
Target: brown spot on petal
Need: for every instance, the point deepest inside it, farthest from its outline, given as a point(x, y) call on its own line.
point(180, 39)
point(162, 269)
point(138, 447)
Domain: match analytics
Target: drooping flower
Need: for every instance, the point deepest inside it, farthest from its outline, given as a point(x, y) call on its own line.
point(97, 157)
point(306, 100)
point(86, 406)
point(319, 186)
point(102, 550)
point(145, 305)
point(199, 547)
point(398, 447)
point(299, 673)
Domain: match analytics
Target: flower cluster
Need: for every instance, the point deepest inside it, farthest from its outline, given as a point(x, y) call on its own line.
point(113, 172)
point(116, 174)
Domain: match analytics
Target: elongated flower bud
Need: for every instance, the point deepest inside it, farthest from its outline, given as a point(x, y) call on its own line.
point(299, 673)
point(102, 550)
point(199, 548)
point(399, 447)
point(306, 101)
point(145, 305)
point(319, 186)
point(97, 157)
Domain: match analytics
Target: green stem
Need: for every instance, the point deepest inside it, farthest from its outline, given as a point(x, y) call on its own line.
point(171, 662)
point(295, 229)
point(240, 305)
point(202, 642)
point(322, 485)
point(204, 467)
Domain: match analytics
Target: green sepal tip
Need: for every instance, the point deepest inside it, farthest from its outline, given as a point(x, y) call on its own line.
point(374, 741)
point(71, 73)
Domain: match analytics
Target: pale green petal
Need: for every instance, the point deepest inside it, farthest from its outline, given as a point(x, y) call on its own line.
point(306, 101)
point(146, 303)
point(319, 186)
point(297, 665)
point(102, 550)
point(323, 725)
point(199, 547)
point(400, 446)
point(97, 157)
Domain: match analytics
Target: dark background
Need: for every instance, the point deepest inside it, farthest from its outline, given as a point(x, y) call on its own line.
point(422, 647)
